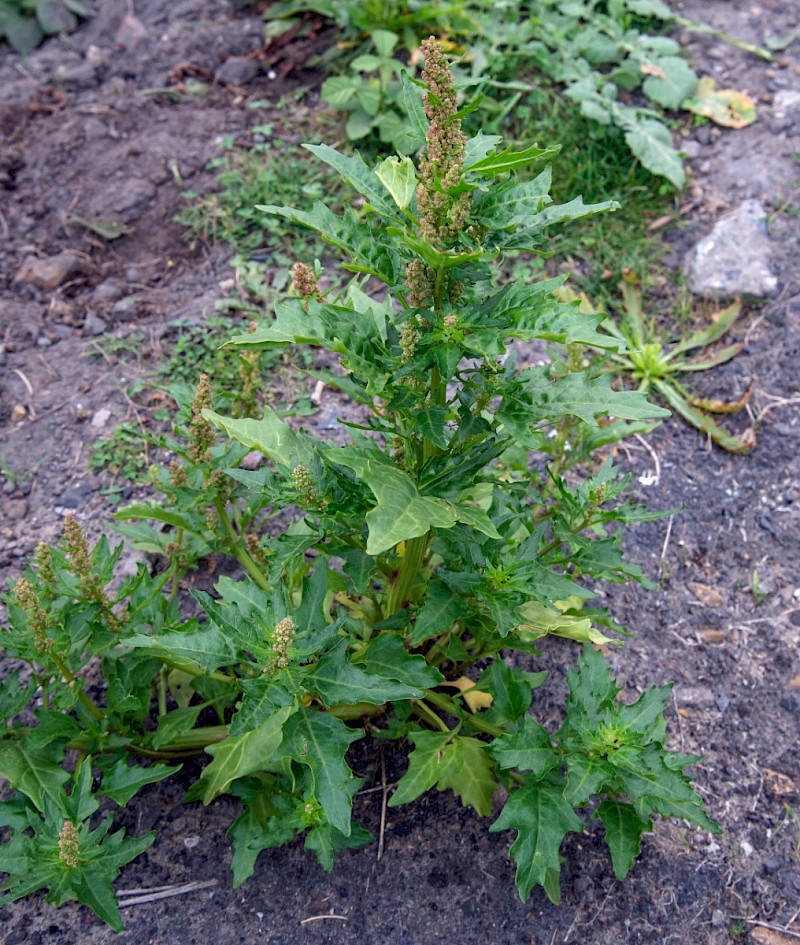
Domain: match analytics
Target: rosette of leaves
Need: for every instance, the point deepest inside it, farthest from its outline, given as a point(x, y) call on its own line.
point(25, 23)
point(435, 543)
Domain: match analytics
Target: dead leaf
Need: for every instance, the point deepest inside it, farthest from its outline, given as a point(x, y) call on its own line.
point(765, 936)
point(712, 635)
point(781, 785)
point(649, 69)
point(727, 107)
point(661, 221)
point(708, 595)
point(475, 700)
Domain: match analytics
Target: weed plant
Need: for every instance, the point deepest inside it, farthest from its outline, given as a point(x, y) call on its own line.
point(434, 550)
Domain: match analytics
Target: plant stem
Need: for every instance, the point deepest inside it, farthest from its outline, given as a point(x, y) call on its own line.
point(413, 557)
point(71, 681)
point(447, 705)
point(237, 549)
point(428, 713)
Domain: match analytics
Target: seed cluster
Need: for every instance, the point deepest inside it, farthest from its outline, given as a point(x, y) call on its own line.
point(27, 600)
point(201, 433)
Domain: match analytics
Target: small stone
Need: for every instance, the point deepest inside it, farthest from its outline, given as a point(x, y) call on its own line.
point(106, 292)
point(51, 272)
point(101, 418)
point(718, 918)
point(723, 702)
point(15, 510)
point(698, 697)
point(125, 310)
point(93, 325)
point(191, 842)
point(18, 413)
point(772, 866)
point(237, 71)
point(734, 258)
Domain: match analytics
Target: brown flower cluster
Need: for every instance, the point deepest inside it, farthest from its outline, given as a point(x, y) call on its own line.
point(201, 433)
point(442, 216)
point(27, 600)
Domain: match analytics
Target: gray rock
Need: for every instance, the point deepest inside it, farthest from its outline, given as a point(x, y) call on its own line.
point(107, 292)
point(125, 310)
point(734, 258)
point(101, 418)
point(93, 325)
point(78, 77)
point(237, 71)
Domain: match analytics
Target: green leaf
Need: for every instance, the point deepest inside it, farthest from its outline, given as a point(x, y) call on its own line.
point(14, 697)
point(624, 829)
point(274, 438)
point(54, 17)
point(435, 755)
point(509, 159)
point(207, 647)
point(440, 610)
point(678, 83)
point(542, 818)
point(537, 397)
point(529, 749)
point(326, 840)
point(174, 723)
point(122, 781)
point(339, 91)
point(511, 688)
point(401, 512)
point(240, 755)
point(335, 679)
point(319, 742)
point(472, 781)
point(412, 103)
point(22, 32)
point(37, 774)
point(651, 142)
point(356, 173)
point(387, 657)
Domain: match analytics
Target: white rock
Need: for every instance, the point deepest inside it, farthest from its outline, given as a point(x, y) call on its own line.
point(100, 417)
point(734, 258)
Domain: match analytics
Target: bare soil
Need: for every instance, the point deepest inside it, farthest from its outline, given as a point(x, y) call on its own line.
point(80, 136)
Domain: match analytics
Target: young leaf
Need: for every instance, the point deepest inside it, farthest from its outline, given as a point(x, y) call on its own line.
point(440, 610)
point(542, 818)
point(356, 173)
point(207, 647)
point(387, 657)
point(528, 749)
point(271, 435)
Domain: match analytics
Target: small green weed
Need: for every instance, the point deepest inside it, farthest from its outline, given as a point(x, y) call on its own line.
point(123, 456)
point(654, 364)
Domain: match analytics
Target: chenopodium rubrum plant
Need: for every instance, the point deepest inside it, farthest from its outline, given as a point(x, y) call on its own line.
point(434, 546)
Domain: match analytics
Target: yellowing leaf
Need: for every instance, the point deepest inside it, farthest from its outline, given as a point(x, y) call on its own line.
point(475, 700)
point(540, 620)
point(726, 107)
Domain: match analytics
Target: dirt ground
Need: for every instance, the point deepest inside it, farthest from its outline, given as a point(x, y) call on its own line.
point(81, 137)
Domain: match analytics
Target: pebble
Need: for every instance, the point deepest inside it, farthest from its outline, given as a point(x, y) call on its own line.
point(43, 341)
point(107, 292)
point(93, 325)
point(15, 510)
point(18, 413)
point(237, 71)
point(101, 418)
point(51, 272)
point(125, 310)
point(191, 842)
